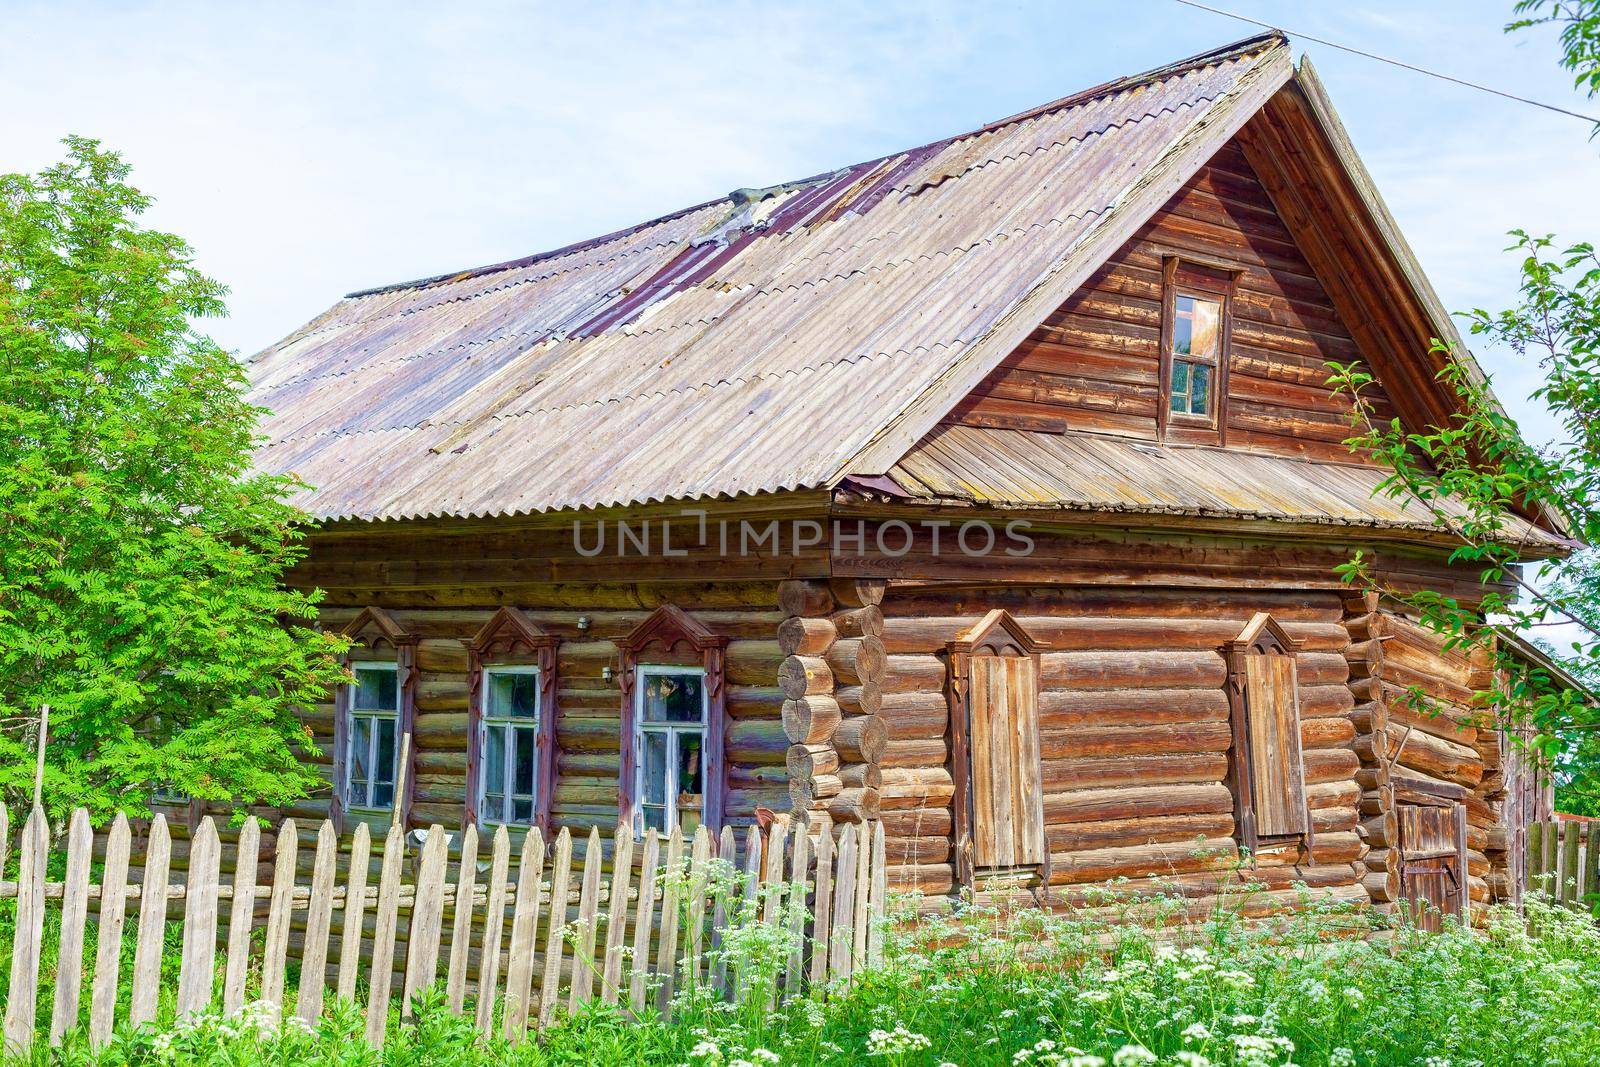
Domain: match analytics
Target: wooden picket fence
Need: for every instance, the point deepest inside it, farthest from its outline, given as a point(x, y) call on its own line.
point(666, 903)
point(1564, 861)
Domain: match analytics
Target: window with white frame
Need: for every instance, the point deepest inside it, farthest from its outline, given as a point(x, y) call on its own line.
point(508, 776)
point(670, 725)
point(370, 754)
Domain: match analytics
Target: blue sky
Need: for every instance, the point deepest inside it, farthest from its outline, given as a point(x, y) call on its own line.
point(310, 149)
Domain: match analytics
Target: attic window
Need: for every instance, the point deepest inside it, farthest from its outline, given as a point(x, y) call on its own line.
point(1197, 301)
point(1196, 341)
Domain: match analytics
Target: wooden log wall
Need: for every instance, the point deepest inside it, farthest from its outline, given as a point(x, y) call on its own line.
point(1093, 364)
point(1134, 734)
point(831, 678)
point(588, 738)
point(1447, 749)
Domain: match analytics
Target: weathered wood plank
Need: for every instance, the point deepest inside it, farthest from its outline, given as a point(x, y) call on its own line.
point(74, 915)
point(355, 907)
point(493, 929)
point(22, 994)
point(427, 917)
point(381, 976)
point(644, 920)
point(198, 970)
point(455, 990)
point(274, 957)
point(524, 930)
point(617, 914)
point(152, 924)
point(583, 962)
point(319, 919)
point(555, 937)
point(110, 920)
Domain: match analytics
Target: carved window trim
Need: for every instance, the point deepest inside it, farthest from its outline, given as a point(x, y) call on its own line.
point(997, 633)
point(665, 631)
point(1183, 275)
point(370, 633)
point(510, 638)
point(1262, 635)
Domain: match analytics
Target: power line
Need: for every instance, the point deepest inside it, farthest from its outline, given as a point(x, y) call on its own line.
point(1391, 62)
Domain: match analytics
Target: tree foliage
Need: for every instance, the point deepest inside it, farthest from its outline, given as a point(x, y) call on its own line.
point(141, 557)
point(1481, 460)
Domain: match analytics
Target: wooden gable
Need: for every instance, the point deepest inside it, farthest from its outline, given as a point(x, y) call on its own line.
point(1094, 364)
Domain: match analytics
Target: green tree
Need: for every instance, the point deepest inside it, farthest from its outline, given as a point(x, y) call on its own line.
point(1481, 459)
point(141, 557)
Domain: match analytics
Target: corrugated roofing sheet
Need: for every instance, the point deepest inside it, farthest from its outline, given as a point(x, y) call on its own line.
point(752, 344)
point(1092, 472)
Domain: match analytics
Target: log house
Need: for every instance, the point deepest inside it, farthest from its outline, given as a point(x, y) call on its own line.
point(992, 490)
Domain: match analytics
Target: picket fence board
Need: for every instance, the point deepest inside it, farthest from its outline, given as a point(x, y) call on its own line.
point(642, 921)
point(427, 915)
point(152, 924)
point(616, 914)
point(314, 950)
point(455, 986)
point(22, 1002)
point(74, 917)
point(241, 916)
point(112, 917)
point(528, 942)
point(524, 930)
point(382, 974)
point(588, 915)
point(355, 908)
point(493, 928)
point(197, 973)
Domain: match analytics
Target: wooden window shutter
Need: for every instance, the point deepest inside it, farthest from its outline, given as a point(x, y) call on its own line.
point(995, 705)
point(1266, 771)
point(1277, 775)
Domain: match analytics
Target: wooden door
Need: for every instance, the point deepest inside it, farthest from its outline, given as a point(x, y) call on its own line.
point(1433, 868)
point(1007, 792)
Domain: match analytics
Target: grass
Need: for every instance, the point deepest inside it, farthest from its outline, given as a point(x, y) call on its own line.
point(1117, 984)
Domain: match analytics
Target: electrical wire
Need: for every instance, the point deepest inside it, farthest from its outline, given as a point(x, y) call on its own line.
point(1392, 62)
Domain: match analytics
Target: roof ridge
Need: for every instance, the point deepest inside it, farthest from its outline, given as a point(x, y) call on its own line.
point(1210, 57)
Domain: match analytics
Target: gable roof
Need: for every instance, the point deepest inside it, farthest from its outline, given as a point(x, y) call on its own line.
point(771, 340)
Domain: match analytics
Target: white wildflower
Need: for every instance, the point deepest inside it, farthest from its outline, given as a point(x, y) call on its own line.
point(1133, 1056)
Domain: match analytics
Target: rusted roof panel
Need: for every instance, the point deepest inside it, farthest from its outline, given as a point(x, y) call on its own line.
point(752, 344)
point(1094, 472)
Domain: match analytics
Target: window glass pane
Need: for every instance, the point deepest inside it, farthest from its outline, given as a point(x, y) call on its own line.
point(690, 799)
point(522, 777)
point(673, 697)
point(1196, 327)
point(494, 761)
point(655, 768)
point(513, 695)
point(383, 768)
point(524, 810)
point(655, 817)
point(359, 770)
point(689, 762)
point(1200, 391)
point(375, 688)
point(1180, 385)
